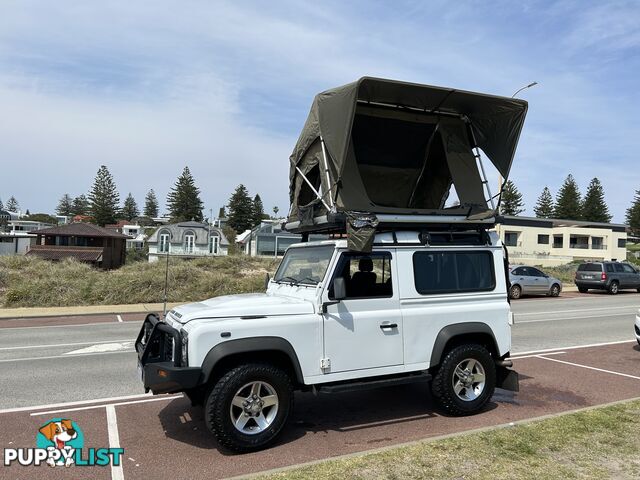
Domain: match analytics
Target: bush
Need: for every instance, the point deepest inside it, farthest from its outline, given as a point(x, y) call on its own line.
point(33, 282)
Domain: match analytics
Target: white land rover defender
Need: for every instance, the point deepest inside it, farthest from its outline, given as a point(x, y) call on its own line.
point(413, 287)
point(417, 308)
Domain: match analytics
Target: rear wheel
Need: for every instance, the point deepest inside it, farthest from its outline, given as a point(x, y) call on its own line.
point(613, 288)
point(465, 380)
point(515, 292)
point(248, 407)
point(583, 290)
point(555, 290)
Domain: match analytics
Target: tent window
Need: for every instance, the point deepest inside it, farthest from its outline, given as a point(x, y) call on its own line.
point(307, 195)
point(397, 165)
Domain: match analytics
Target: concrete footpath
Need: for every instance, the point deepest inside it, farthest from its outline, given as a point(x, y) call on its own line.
point(24, 312)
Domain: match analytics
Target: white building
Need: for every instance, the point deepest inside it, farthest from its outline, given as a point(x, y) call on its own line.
point(27, 226)
point(551, 242)
point(16, 243)
point(187, 240)
point(269, 239)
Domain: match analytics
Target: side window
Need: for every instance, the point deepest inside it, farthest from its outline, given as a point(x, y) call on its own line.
point(619, 268)
point(365, 276)
point(609, 268)
point(446, 272)
point(536, 273)
point(518, 271)
point(627, 268)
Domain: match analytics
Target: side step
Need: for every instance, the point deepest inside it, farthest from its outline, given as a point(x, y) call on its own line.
point(375, 382)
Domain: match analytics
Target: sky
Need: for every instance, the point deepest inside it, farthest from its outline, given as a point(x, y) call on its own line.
point(149, 87)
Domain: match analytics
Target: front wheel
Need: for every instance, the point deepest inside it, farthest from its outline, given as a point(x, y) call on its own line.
point(465, 380)
point(515, 292)
point(613, 288)
point(555, 290)
point(248, 407)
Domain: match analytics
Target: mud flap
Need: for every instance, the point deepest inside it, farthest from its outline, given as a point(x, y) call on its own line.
point(507, 379)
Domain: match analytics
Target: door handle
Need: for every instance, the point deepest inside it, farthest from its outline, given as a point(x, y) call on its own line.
point(384, 326)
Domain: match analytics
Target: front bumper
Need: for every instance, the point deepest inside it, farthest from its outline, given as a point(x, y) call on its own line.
point(159, 347)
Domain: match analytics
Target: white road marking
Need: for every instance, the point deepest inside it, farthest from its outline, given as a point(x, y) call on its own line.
point(102, 348)
point(109, 324)
point(557, 319)
point(580, 310)
point(574, 347)
point(119, 318)
point(53, 357)
point(114, 440)
point(534, 356)
point(52, 345)
point(90, 407)
point(79, 402)
point(590, 368)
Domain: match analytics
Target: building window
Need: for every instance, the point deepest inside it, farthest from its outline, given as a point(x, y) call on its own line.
point(558, 241)
point(213, 244)
point(597, 243)
point(622, 243)
point(543, 239)
point(189, 242)
point(164, 243)
point(511, 239)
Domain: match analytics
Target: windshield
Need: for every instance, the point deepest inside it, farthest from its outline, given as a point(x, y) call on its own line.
point(304, 265)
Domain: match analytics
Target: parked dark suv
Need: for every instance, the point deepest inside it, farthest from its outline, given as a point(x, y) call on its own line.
point(609, 276)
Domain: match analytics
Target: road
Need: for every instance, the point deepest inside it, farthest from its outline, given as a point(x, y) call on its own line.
point(45, 361)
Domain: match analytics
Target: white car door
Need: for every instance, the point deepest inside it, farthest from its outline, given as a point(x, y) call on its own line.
point(364, 330)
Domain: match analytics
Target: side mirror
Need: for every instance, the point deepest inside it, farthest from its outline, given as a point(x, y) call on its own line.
point(266, 281)
point(339, 288)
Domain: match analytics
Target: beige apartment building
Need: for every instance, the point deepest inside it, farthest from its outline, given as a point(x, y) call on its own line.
point(550, 242)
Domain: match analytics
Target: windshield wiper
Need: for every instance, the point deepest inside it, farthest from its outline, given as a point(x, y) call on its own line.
point(307, 278)
point(290, 278)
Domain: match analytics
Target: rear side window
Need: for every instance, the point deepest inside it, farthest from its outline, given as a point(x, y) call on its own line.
point(590, 267)
point(609, 268)
point(446, 272)
point(619, 268)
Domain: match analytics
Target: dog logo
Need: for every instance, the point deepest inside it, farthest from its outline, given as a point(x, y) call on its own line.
point(63, 435)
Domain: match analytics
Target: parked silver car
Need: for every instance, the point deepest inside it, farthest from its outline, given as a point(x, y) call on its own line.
point(531, 281)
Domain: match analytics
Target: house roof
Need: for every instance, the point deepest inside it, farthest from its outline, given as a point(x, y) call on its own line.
point(52, 252)
point(80, 230)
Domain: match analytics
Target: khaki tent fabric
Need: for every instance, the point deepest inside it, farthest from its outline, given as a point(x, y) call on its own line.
point(396, 147)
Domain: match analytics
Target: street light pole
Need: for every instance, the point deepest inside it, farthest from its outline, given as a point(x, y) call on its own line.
point(500, 179)
point(532, 84)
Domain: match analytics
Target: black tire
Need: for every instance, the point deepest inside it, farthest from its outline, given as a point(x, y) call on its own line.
point(442, 386)
point(218, 409)
point(583, 290)
point(613, 288)
point(555, 290)
point(515, 292)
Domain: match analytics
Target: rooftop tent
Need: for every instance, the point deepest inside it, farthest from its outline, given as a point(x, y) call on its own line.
point(395, 148)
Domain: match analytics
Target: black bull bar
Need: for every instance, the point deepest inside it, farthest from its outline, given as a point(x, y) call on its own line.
point(159, 349)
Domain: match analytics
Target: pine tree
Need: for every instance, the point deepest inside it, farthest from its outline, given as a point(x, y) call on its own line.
point(568, 204)
point(129, 208)
point(12, 204)
point(511, 202)
point(258, 210)
point(633, 215)
point(222, 213)
point(104, 198)
point(80, 205)
point(151, 204)
point(1, 205)
point(594, 208)
point(240, 216)
point(544, 205)
point(65, 205)
point(183, 200)
point(275, 212)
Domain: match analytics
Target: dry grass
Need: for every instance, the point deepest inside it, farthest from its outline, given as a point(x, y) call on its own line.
point(597, 444)
point(32, 282)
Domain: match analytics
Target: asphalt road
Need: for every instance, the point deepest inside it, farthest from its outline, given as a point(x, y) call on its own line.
point(57, 362)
